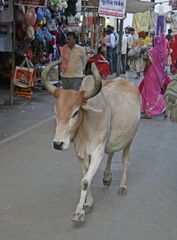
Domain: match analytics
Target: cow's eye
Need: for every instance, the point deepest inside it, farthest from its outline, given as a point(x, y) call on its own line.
point(75, 113)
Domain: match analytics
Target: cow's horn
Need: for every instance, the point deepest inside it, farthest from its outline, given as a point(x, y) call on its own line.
point(49, 86)
point(97, 82)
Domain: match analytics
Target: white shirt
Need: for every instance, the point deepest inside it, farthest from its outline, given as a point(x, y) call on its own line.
point(116, 35)
point(124, 44)
point(76, 63)
point(111, 41)
point(129, 40)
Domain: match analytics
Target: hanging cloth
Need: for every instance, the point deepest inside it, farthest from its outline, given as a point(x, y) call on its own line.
point(7, 14)
point(5, 37)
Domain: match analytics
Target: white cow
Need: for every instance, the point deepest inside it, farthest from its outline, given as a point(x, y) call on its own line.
point(97, 120)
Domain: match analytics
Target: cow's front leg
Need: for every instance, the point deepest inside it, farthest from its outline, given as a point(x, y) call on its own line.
point(88, 205)
point(95, 159)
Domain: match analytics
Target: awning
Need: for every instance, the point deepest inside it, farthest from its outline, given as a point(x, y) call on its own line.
point(134, 6)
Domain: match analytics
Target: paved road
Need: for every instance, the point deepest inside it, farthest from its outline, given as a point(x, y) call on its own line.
point(39, 187)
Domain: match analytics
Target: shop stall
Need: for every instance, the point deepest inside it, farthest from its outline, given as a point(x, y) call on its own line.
point(32, 33)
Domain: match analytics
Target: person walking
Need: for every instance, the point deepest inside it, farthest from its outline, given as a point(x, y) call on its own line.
point(138, 63)
point(116, 35)
point(73, 61)
point(124, 54)
point(154, 83)
point(131, 37)
point(111, 42)
point(101, 63)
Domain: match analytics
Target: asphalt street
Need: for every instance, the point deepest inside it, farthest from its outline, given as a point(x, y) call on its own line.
point(40, 187)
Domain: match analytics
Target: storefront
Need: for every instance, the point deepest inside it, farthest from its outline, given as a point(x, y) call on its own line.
point(38, 33)
point(31, 34)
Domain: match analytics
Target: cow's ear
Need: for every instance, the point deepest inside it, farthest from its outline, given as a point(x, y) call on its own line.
point(88, 107)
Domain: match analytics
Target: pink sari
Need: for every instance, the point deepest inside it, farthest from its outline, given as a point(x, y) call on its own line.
point(151, 87)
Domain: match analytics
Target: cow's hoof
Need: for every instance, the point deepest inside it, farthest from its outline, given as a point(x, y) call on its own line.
point(78, 217)
point(122, 190)
point(107, 179)
point(106, 182)
point(88, 209)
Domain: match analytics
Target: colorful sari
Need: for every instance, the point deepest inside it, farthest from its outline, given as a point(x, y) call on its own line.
point(173, 46)
point(151, 86)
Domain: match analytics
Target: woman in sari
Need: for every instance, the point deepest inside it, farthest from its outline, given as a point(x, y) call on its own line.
point(154, 83)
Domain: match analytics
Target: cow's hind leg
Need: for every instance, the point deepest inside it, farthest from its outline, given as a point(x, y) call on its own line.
point(107, 177)
point(123, 181)
point(95, 160)
point(88, 205)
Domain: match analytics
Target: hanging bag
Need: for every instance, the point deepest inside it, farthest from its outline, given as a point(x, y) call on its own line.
point(25, 77)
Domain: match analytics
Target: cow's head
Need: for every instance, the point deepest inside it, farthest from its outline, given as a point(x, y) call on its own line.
point(68, 106)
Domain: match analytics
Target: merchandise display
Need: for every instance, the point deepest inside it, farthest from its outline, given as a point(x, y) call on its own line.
point(38, 26)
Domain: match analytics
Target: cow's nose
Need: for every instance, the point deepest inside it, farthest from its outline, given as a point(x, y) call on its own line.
point(58, 145)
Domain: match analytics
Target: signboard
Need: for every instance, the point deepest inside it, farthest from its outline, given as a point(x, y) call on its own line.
point(112, 8)
point(36, 3)
point(92, 3)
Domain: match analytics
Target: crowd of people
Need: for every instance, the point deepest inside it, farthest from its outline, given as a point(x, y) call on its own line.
point(148, 54)
point(145, 53)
